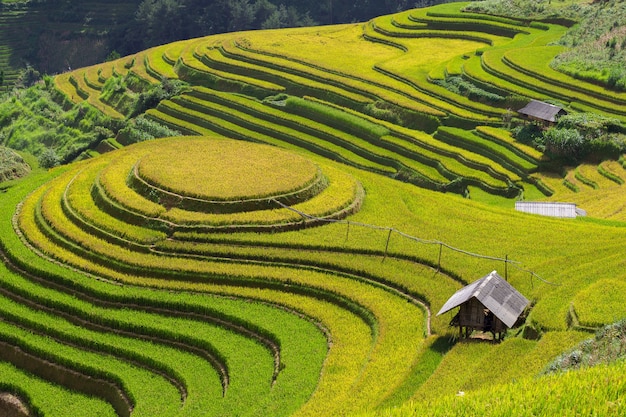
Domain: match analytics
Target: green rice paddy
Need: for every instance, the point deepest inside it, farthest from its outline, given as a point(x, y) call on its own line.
point(288, 256)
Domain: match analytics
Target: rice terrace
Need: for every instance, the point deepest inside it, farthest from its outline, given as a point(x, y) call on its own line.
point(266, 223)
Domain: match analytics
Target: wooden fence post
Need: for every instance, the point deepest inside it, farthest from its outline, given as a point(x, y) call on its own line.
point(387, 245)
point(439, 261)
point(506, 267)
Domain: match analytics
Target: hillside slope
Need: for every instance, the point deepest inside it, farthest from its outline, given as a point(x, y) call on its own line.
point(409, 122)
point(284, 251)
point(55, 36)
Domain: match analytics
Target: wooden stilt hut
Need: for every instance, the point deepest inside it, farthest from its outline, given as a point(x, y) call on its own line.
point(544, 113)
point(488, 304)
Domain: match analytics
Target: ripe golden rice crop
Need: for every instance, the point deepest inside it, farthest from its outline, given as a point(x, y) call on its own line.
point(219, 169)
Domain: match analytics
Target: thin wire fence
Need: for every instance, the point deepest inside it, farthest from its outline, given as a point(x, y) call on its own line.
point(391, 230)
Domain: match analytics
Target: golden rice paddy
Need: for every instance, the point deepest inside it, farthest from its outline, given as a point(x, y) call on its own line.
point(224, 169)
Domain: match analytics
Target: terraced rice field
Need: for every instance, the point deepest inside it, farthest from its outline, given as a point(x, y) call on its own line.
point(285, 257)
point(14, 37)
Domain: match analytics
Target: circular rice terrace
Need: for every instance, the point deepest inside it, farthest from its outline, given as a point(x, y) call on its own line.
point(226, 170)
point(203, 184)
point(119, 218)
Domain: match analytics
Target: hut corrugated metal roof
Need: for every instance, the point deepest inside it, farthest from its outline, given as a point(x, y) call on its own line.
point(504, 301)
point(542, 111)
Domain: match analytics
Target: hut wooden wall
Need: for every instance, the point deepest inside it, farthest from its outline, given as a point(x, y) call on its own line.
point(472, 315)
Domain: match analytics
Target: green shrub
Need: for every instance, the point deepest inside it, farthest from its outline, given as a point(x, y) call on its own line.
point(617, 79)
point(276, 100)
point(466, 88)
point(607, 346)
point(599, 136)
point(142, 129)
point(49, 159)
point(402, 116)
point(114, 84)
point(529, 134)
point(151, 97)
point(28, 77)
point(590, 125)
point(515, 101)
point(566, 143)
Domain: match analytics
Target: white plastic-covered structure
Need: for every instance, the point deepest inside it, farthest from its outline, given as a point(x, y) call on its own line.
point(562, 210)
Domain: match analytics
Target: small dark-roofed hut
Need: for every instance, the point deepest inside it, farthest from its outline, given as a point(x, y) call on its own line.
point(542, 112)
point(488, 304)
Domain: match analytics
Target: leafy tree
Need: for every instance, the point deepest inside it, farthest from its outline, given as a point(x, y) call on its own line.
point(602, 137)
point(113, 55)
point(284, 17)
point(566, 143)
point(150, 98)
point(617, 78)
point(49, 159)
point(28, 77)
point(242, 15)
point(162, 21)
point(529, 134)
point(157, 22)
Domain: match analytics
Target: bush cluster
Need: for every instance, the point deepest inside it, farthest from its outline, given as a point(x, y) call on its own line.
point(617, 78)
point(527, 10)
point(142, 129)
point(402, 116)
point(152, 96)
point(577, 136)
point(597, 46)
point(49, 159)
point(608, 345)
point(33, 121)
point(461, 86)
